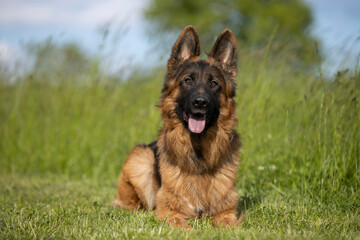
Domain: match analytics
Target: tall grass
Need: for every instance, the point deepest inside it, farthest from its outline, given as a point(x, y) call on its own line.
point(74, 129)
point(302, 130)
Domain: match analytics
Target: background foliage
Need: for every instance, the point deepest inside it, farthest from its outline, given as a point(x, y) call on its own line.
point(252, 21)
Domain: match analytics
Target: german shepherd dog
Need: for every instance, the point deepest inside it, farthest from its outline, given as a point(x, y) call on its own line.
point(190, 170)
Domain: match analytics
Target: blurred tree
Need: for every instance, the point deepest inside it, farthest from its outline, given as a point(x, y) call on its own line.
point(252, 21)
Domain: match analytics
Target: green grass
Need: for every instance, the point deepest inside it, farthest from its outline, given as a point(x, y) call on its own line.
point(59, 207)
point(63, 142)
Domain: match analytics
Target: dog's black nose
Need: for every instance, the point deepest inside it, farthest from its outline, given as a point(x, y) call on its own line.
point(200, 102)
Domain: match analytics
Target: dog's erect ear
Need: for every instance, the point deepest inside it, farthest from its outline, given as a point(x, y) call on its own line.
point(225, 51)
point(186, 46)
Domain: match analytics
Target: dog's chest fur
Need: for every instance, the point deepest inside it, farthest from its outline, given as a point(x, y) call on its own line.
point(194, 194)
point(195, 182)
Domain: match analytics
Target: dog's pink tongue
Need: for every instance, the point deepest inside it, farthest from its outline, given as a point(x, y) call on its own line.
point(196, 126)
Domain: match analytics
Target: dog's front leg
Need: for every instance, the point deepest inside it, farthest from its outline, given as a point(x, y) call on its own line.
point(173, 218)
point(167, 207)
point(225, 219)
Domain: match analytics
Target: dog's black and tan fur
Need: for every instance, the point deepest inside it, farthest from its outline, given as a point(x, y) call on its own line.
point(190, 170)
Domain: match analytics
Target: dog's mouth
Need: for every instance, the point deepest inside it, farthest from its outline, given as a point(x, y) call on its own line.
point(196, 122)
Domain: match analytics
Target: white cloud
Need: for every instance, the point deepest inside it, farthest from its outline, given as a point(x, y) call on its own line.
point(67, 12)
point(11, 56)
point(7, 52)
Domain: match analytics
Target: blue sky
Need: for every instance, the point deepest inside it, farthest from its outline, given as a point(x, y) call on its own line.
point(336, 23)
point(22, 21)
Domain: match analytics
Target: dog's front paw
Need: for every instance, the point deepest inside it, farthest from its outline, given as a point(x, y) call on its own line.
point(178, 221)
point(225, 219)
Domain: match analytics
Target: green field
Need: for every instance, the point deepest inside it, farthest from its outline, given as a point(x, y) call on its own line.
point(63, 143)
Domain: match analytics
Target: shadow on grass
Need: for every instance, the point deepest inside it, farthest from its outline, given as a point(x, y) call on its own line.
point(247, 202)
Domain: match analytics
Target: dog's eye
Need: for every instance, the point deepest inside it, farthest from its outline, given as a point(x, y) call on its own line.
point(213, 84)
point(188, 80)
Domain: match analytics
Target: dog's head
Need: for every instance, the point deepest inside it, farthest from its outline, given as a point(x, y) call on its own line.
point(196, 92)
